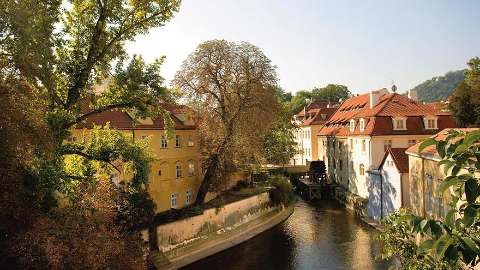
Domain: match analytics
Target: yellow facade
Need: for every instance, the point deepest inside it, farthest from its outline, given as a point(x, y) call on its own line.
point(424, 178)
point(175, 175)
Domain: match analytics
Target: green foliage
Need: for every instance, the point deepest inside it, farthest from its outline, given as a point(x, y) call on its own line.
point(282, 191)
point(67, 54)
point(334, 93)
point(278, 143)
point(456, 239)
point(439, 88)
point(398, 243)
point(465, 101)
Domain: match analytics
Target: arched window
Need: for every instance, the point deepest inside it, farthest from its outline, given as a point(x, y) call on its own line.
point(352, 125)
point(362, 169)
point(178, 170)
point(191, 168)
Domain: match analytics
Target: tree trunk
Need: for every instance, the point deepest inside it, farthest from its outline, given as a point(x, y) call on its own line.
point(207, 179)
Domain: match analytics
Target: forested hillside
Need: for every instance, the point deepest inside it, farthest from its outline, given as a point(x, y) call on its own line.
point(439, 88)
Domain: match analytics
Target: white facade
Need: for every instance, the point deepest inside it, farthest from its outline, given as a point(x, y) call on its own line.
point(349, 158)
point(388, 189)
point(303, 139)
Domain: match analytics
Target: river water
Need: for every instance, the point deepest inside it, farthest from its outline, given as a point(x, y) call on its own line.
point(316, 236)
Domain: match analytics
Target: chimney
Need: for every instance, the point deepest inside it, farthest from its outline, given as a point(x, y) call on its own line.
point(375, 96)
point(412, 94)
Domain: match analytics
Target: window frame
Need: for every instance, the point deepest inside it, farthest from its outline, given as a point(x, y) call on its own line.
point(174, 198)
point(178, 170)
point(178, 141)
point(164, 142)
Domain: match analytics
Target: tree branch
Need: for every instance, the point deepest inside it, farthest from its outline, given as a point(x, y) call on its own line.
point(87, 156)
point(97, 111)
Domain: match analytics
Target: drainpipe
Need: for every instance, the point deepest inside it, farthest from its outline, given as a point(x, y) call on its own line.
point(381, 195)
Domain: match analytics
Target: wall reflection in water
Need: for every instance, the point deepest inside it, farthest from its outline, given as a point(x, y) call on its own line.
point(316, 236)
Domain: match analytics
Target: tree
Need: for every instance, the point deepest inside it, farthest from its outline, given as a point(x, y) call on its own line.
point(233, 86)
point(439, 88)
point(465, 101)
point(58, 51)
point(454, 241)
point(333, 93)
point(279, 143)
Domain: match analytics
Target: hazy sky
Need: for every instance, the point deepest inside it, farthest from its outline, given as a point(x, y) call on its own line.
point(362, 44)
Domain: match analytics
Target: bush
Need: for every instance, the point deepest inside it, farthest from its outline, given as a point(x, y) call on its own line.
point(282, 191)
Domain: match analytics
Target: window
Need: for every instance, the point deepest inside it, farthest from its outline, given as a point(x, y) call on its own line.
point(144, 137)
point(387, 144)
point(178, 142)
point(163, 142)
point(352, 125)
point(323, 116)
point(191, 168)
point(364, 146)
point(399, 123)
point(340, 164)
point(159, 172)
point(362, 124)
point(411, 142)
point(190, 141)
point(173, 200)
point(362, 169)
point(188, 197)
point(430, 122)
point(178, 170)
point(72, 139)
point(351, 144)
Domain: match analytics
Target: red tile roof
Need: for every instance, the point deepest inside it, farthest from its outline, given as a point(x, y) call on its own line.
point(399, 157)
point(378, 120)
point(316, 113)
point(121, 120)
point(431, 151)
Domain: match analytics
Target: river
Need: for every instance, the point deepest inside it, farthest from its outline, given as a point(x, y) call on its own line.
point(316, 236)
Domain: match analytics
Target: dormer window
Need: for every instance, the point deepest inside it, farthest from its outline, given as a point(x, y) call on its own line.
point(362, 124)
point(399, 123)
point(323, 116)
point(352, 125)
point(430, 122)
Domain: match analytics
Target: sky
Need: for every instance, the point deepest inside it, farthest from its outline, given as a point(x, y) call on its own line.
point(364, 45)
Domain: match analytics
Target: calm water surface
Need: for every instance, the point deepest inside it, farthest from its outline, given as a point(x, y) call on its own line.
point(316, 236)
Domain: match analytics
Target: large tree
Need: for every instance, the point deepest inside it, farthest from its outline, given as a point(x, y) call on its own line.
point(234, 88)
point(465, 101)
point(57, 51)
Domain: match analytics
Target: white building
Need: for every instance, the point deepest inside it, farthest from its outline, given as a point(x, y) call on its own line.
point(355, 138)
point(309, 121)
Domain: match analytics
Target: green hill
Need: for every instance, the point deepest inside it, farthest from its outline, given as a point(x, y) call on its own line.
point(439, 88)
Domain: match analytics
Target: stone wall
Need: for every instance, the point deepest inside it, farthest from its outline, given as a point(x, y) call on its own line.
point(212, 221)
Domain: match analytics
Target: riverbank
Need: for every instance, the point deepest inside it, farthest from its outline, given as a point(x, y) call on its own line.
point(202, 249)
point(318, 235)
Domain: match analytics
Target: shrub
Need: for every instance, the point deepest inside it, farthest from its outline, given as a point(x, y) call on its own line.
point(282, 191)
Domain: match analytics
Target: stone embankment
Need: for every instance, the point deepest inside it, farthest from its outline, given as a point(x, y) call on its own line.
point(188, 240)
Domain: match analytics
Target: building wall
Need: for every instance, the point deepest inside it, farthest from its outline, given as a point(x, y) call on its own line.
point(355, 156)
point(162, 180)
point(424, 178)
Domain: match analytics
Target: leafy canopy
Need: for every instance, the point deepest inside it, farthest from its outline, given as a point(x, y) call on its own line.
point(456, 239)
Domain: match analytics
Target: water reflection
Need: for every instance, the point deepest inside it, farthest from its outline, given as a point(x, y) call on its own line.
point(319, 236)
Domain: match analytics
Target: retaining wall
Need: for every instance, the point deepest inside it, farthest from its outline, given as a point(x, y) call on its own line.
point(212, 221)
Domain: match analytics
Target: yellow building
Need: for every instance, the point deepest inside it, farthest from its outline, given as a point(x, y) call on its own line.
point(175, 174)
point(425, 175)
